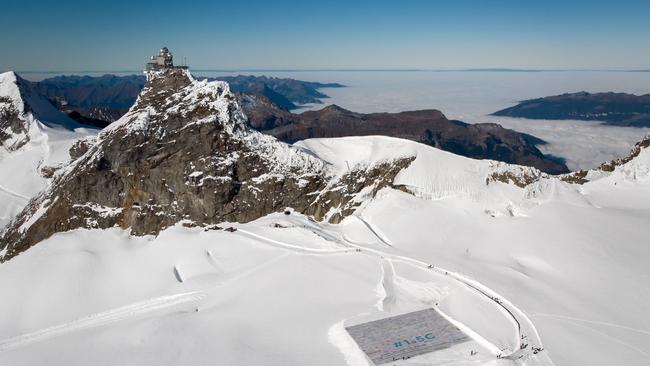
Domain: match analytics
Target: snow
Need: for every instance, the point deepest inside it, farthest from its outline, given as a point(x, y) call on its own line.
point(102, 211)
point(434, 175)
point(351, 153)
point(8, 88)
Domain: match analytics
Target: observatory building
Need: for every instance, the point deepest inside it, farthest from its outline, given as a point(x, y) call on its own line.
point(164, 61)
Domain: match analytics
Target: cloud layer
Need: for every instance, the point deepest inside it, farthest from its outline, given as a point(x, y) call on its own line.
point(472, 96)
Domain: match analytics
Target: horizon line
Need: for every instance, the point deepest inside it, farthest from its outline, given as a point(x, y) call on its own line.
point(487, 69)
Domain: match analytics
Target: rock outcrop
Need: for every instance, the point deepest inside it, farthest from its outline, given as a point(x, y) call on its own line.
point(11, 125)
point(184, 152)
point(583, 176)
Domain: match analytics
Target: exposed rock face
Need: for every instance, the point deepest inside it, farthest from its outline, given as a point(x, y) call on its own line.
point(11, 125)
point(521, 178)
point(636, 150)
point(582, 176)
point(14, 112)
point(620, 109)
point(431, 127)
point(579, 177)
point(184, 151)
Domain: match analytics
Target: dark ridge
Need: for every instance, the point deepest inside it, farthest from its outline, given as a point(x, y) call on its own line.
point(431, 127)
point(617, 109)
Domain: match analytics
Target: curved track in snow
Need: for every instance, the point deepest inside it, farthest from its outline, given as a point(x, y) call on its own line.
point(103, 318)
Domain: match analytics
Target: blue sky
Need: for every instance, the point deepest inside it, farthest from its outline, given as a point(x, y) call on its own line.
point(115, 35)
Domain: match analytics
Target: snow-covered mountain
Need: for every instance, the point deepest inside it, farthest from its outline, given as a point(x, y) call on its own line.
point(183, 152)
point(35, 138)
point(127, 262)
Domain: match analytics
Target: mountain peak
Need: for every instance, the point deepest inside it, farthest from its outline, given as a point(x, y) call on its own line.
point(172, 99)
point(336, 108)
point(10, 90)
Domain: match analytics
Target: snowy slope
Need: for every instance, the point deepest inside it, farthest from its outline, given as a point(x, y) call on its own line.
point(573, 262)
point(43, 141)
point(574, 256)
point(434, 175)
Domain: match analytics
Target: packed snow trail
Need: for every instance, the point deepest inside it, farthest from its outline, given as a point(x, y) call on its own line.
point(103, 318)
point(373, 230)
point(388, 285)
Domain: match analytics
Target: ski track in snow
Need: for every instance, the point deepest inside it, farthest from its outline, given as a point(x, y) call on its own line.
point(141, 308)
point(596, 322)
point(14, 194)
point(577, 323)
point(103, 318)
point(372, 229)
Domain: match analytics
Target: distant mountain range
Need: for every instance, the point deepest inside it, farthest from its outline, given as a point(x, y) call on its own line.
point(619, 109)
point(97, 101)
point(267, 101)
